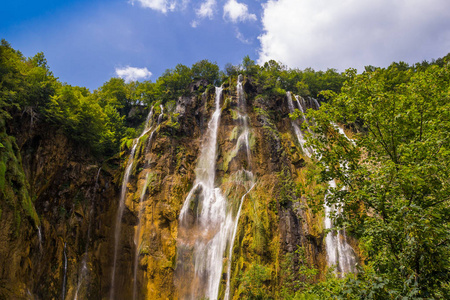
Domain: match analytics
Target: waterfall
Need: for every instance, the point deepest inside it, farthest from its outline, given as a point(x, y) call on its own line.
point(339, 252)
point(315, 104)
point(122, 199)
point(233, 235)
point(297, 131)
point(300, 105)
point(141, 200)
point(63, 293)
point(206, 223)
point(84, 268)
point(246, 176)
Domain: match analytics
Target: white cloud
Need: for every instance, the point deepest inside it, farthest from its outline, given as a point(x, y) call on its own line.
point(237, 12)
point(354, 33)
point(159, 5)
point(206, 9)
point(242, 38)
point(132, 74)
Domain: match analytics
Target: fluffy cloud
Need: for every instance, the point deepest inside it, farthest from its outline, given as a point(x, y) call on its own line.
point(206, 9)
point(132, 74)
point(237, 12)
point(159, 5)
point(353, 33)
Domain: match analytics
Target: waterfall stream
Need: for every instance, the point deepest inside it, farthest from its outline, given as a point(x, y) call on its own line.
point(245, 176)
point(141, 200)
point(201, 223)
point(207, 222)
point(123, 195)
point(339, 252)
point(298, 132)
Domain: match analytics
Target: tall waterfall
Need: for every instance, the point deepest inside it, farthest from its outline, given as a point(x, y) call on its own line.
point(207, 222)
point(123, 195)
point(137, 235)
point(245, 176)
point(201, 243)
point(339, 252)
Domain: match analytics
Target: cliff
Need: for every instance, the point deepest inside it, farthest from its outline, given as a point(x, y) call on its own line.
point(68, 249)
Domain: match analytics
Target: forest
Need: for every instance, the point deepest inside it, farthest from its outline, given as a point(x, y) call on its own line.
point(391, 170)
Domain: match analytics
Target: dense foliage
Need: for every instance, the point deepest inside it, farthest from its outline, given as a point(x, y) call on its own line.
point(277, 78)
point(394, 177)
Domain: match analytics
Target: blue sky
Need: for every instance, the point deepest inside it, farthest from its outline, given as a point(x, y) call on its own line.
point(88, 42)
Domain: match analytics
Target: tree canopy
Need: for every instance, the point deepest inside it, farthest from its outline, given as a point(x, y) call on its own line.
point(394, 177)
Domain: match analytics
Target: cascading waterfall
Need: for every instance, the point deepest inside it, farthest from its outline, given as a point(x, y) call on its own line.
point(246, 176)
point(249, 178)
point(300, 105)
point(206, 224)
point(84, 268)
point(315, 102)
point(200, 232)
point(63, 292)
point(141, 201)
point(339, 252)
point(298, 132)
point(123, 195)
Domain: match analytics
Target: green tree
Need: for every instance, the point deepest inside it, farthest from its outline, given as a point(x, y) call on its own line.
point(396, 199)
point(249, 66)
point(207, 70)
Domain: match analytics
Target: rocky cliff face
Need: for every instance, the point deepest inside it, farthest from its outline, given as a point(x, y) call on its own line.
point(41, 258)
point(76, 199)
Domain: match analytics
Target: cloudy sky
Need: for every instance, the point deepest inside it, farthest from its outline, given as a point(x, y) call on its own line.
point(86, 42)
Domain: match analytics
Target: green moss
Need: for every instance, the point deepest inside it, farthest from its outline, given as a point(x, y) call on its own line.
point(226, 103)
point(234, 133)
point(13, 183)
point(152, 183)
point(228, 157)
point(234, 114)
